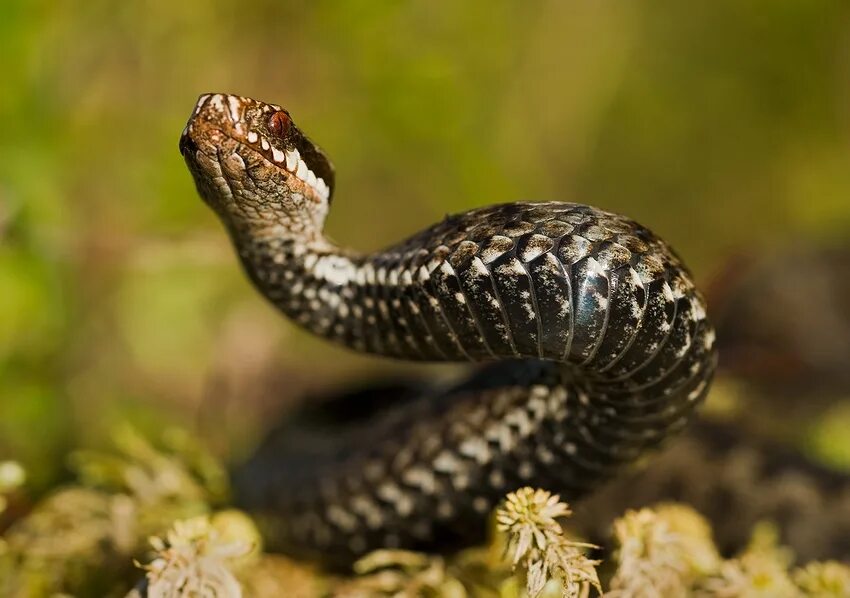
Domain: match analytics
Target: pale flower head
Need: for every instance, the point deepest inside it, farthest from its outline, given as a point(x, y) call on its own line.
point(537, 545)
point(192, 560)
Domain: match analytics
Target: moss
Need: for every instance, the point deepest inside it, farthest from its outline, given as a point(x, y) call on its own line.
point(164, 505)
point(827, 579)
point(122, 497)
point(761, 570)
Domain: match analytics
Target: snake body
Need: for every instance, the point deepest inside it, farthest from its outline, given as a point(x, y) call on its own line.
point(595, 341)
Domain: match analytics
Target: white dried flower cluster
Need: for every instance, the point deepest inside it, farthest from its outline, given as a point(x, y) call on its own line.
point(538, 547)
point(827, 579)
point(761, 571)
point(192, 561)
point(661, 552)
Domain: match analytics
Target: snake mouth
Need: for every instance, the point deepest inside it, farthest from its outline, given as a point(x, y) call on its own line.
point(268, 131)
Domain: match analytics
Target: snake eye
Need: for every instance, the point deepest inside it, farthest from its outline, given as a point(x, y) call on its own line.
point(279, 123)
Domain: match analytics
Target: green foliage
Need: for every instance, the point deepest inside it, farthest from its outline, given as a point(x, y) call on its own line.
point(828, 438)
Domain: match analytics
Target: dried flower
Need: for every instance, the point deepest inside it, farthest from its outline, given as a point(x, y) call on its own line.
point(826, 579)
point(538, 547)
point(193, 561)
point(760, 571)
point(662, 551)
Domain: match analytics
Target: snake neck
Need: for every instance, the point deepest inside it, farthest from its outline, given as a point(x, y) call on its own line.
point(305, 278)
point(357, 300)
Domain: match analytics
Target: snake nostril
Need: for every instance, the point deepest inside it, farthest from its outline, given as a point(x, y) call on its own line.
point(279, 123)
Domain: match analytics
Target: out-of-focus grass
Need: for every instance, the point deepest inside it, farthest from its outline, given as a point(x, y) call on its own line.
point(723, 126)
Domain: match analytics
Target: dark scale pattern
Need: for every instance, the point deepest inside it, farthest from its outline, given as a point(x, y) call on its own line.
point(602, 340)
point(552, 281)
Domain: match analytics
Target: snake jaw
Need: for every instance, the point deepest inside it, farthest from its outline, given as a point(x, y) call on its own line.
point(239, 149)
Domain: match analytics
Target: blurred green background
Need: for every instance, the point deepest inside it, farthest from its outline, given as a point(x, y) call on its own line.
point(724, 126)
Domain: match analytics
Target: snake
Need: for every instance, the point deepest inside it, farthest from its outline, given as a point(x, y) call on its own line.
point(590, 340)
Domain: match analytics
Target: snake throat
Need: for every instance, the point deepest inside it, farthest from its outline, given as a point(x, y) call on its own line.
point(595, 341)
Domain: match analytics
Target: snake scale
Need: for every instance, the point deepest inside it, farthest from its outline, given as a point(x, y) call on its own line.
point(595, 343)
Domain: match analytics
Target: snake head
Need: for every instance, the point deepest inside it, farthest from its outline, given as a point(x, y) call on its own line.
point(254, 166)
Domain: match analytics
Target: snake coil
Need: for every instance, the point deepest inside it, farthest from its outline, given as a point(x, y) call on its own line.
point(596, 340)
